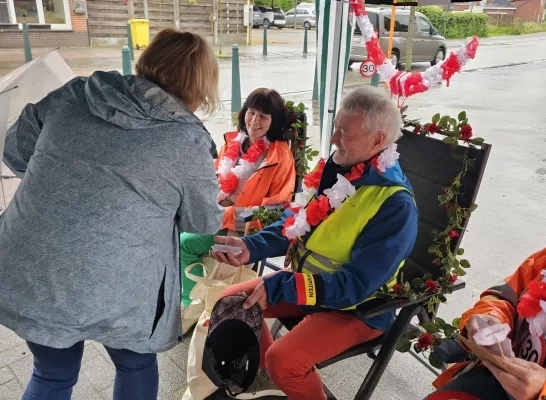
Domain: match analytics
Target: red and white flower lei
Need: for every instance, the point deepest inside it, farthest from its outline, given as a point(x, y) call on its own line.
point(319, 208)
point(404, 84)
point(232, 175)
point(532, 306)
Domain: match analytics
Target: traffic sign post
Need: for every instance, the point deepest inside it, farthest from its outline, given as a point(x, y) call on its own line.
point(367, 68)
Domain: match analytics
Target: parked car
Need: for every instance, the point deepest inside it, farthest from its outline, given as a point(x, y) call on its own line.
point(301, 16)
point(272, 16)
point(428, 44)
point(257, 17)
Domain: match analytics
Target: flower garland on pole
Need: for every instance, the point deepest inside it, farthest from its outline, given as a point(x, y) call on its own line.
point(405, 84)
point(431, 334)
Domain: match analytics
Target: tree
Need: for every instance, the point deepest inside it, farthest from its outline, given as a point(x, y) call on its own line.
point(409, 42)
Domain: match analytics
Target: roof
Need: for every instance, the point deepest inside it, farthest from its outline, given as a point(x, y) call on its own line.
point(500, 4)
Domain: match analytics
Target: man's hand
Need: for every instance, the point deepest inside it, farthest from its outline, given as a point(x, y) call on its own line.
point(526, 380)
point(472, 325)
point(259, 295)
point(235, 260)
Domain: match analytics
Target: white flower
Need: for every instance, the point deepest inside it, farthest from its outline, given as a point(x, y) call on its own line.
point(537, 324)
point(366, 27)
point(341, 190)
point(300, 226)
point(386, 71)
point(387, 158)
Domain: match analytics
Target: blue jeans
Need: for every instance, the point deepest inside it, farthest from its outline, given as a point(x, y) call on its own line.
point(56, 372)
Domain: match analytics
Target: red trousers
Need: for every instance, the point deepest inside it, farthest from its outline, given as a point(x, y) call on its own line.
point(291, 360)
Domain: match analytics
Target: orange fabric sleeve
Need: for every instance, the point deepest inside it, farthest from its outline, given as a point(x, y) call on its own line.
point(283, 182)
point(542, 395)
point(501, 301)
point(229, 218)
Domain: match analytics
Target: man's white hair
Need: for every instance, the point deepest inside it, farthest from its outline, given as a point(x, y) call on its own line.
point(378, 112)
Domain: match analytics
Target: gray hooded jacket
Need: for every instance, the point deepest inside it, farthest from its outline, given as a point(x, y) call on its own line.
point(113, 167)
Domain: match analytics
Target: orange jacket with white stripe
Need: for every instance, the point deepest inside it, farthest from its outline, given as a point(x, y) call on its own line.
point(501, 301)
point(272, 183)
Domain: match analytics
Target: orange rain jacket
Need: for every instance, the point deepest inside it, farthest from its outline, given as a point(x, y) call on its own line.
point(501, 301)
point(272, 183)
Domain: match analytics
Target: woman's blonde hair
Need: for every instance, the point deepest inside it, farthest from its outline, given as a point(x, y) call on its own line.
point(183, 64)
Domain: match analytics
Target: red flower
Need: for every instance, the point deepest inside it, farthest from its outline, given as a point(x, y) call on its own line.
point(424, 341)
point(255, 151)
point(447, 206)
point(398, 289)
point(453, 233)
point(356, 172)
point(233, 149)
point(431, 285)
point(288, 222)
point(529, 304)
point(229, 183)
point(312, 179)
point(417, 129)
point(317, 210)
point(453, 278)
point(432, 128)
point(293, 118)
point(466, 132)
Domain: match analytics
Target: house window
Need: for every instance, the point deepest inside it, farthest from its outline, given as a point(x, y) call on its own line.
point(55, 13)
point(4, 12)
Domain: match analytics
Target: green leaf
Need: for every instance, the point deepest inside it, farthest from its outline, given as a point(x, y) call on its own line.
point(477, 140)
point(444, 121)
point(456, 322)
point(462, 116)
point(431, 327)
point(453, 122)
point(417, 283)
point(407, 285)
point(465, 264)
point(460, 251)
point(440, 322)
point(436, 118)
point(403, 345)
point(450, 140)
point(473, 207)
point(435, 361)
point(442, 298)
point(314, 153)
point(459, 271)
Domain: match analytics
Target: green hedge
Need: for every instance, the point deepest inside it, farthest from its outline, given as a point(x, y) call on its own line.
point(459, 25)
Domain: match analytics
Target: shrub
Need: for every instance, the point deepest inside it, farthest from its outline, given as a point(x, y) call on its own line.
point(459, 25)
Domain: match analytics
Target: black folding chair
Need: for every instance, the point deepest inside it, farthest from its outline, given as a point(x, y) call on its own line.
point(430, 166)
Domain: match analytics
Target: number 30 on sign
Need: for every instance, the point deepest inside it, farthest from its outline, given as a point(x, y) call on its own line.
point(367, 69)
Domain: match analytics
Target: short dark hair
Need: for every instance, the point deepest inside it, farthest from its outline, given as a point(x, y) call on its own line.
point(267, 101)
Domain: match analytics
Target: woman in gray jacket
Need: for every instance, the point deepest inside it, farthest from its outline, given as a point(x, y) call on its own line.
point(112, 168)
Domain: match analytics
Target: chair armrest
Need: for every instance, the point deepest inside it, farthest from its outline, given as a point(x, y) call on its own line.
point(247, 215)
point(376, 307)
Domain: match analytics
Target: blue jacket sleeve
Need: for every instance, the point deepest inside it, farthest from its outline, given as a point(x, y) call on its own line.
point(269, 242)
point(386, 240)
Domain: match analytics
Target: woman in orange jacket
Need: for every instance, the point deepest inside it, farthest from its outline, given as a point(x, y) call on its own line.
point(516, 302)
point(255, 167)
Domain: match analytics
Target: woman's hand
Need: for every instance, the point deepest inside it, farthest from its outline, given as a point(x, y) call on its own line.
point(526, 380)
point(236, 260)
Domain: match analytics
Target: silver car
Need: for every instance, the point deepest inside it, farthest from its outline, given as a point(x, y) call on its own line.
point(301, 16)
point(428, 45)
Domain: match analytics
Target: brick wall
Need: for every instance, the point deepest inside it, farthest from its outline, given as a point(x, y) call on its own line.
point(77, 37)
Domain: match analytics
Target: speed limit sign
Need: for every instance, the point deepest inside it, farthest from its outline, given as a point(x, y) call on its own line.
point(367, 68)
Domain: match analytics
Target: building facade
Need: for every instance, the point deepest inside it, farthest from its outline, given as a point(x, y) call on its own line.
point(51, 23)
